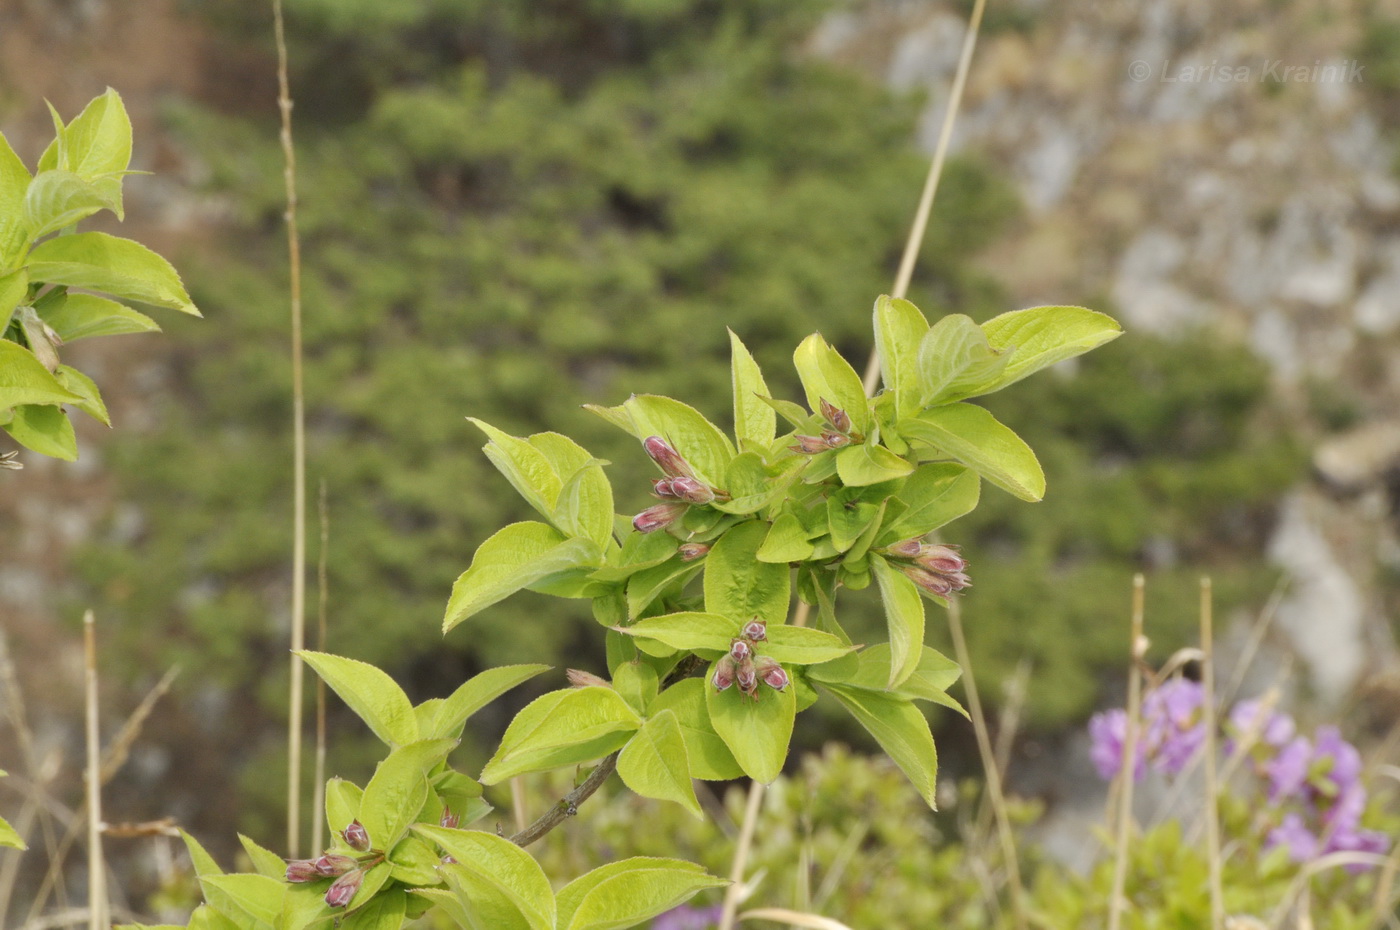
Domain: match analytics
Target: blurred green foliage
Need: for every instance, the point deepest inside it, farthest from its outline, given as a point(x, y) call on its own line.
point(510, 209)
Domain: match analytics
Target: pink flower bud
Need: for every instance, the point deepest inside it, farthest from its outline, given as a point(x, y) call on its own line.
point(302, 870)
point(940, 584)
point(809, 445)
point(692, 551)
point(331, 864)
point(839, 419)
point(449, 819)
point(692, 491)
point(580, 679)
point(724, 673)
point(772, 674)
point(662, 488)
point(835, 440)
point(356, 837)
point(755, 631)
point(343, 889)
point(668, 458)
point(908, 549)
point(942, 559)
point(658, 517)
point(740, 649)
point(747, 676)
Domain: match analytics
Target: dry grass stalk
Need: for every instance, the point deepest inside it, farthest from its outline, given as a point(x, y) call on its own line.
point(318, 780)
point(1212, 787)
point(116, 755)
point(1124, 820)
point(97, 869)
point(735, 893)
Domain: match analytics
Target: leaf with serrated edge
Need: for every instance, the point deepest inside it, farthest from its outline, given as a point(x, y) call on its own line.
point(14, 182)
point(527, 468)
point(562, 728)
point(256, 896)
point(977, 439)
point(901, 730)
point(80, 384)
point(474, 694)
point(753, 419)
point(82, 316)
point(655, 764)
point(869, 464)
point(119, 267)
point(710, 758)
point(24, 380)
point(700, 442)
point(904, 618)
point(899, 326)
point(385, 912)
point(370, 693)
point(954, 357)
point(827, 376)
point(342, 803)
point(513, 558)
point(687, 631)
point(623, 894)
point(936, 494)
point(507, 867)
point(265, 861)
point(800, 645)
point(398, 789)
point(738, 585)
point(45, 429)
point(1042, 336)
point(756, 731)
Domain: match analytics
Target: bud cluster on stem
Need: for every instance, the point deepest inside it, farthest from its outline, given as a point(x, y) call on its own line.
point(348, 871)
point(677, 491)
point(935, 567)
point(838, 433)
point(743, 666)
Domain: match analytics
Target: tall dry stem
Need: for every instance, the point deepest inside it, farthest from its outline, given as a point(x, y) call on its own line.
point(97, 869)
point(1212, 787)
point(1137, 649)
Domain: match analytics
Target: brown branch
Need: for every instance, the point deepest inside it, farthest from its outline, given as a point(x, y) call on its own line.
point(569, 803)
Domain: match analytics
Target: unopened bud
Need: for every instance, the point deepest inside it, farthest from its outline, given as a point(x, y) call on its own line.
point(835, 440)
point(343, 889)
point(668, 458)
point(356, 837)
point(940, 584)
point(809, 445)
point(661, 487)
point(302, 870)
point(839, 419)
point(331, 864)
point(746, 675)
point(772, 674)
point(939, 558)
point(658, 517)
point(908, 549)
point(449, 819)
point(581, 679)
point(755, 631)
point(740, 649)
point(692, 551)
point(692, 491)
point(724, 673)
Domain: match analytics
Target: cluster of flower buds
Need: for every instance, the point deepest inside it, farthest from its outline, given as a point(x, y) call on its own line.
point(743, 666)
point(677, 491)
point(348, 871)
point(934, 567)
point(837, 434)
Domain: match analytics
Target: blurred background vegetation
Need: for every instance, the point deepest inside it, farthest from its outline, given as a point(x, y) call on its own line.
point(510, 209)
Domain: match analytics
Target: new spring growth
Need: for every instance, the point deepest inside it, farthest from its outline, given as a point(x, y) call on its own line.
point(667, 458)
point(356, 837)
point(934, 567)
point(838, 419)
point(658, 517)
point(742, 665)
point(343, 889)
point(677, 490)
point(449, 819)
point(755, 631)
point(771, 673)
point(689, 552)
point(581, 679)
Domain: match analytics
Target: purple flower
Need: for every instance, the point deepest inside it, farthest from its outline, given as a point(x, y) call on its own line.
point(1108, 734)
point(1345, 768)
point(1292, 833)
point(356, 837)
point(670, 461)
point(773, 674)
point(1174, 732)
point(1255, 717)
point(1288, 771)
point(686, 917)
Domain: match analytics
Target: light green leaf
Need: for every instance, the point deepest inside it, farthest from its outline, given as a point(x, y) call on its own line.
point(57, 199)
point(585, 505)
point(623, 894)
point(488, 863)
point(654, 763)
point(527, 468)
point(24, 380)
point(10, 837)
point(901, 730)
point(119, 267)
point(515, 557)
point(45, 429)
point(936, 494)
point(786, 541)
point(474, 694)
point(865, 464)
point(14, 181)
point(904, 617)
point(398, 790)
point(1041, 336)
point(848, 516)
point(738, 585)
point(342, 803)
point(954, 358)
point(800, 645)
point(383, 912)
point(753, 419)
point(562, 728)
point(827, 376)
point(244, 894)
point(14, 287)
point(746, 479)
point(977, 439)
point(413, 861)
point(265, 861)
point(647, 585)
point(81, 316)
point(304, 906)
point(637, 682)
point(98, 140)
point(687, 631)
point(930, 681)
point(700, 442)
point(203, 863)
point(639, 551)
point(757, 731)
point(710, 759)
point(370, 693)
point(899, 327)
point(74, 380)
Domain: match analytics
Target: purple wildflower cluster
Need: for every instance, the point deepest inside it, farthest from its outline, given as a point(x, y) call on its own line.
point(1313, 786)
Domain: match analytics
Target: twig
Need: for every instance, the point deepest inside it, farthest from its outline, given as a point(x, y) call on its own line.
point(567, 806)
point(1137, 649)
point(115, 756)
point(984, 748)
point(294, 716)
point(935, 171)
point(1217, 893)
point(735, 891)
point(97, 871)
point(318, 786)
